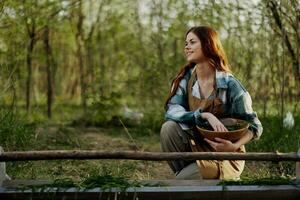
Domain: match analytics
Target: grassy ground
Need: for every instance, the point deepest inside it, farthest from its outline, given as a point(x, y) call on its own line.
point(38, 133)
point(51, 138)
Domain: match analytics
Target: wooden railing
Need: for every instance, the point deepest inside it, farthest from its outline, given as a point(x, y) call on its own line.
point(151, 156)
point(135, 155)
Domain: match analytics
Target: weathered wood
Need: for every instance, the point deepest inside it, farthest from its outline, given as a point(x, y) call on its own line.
point(134, 155)
point(3, 175)
point(279, 192)
point(167, 182)
point(298, 167)
point(176, 182)
point(19, 183)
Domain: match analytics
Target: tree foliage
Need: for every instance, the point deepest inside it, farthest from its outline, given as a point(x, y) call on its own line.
point(89, 52)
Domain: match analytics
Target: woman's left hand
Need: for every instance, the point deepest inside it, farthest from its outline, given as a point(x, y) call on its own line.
point(222, 145)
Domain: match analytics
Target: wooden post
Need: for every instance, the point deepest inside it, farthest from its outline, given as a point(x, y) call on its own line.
point(298, 168)
point(3, 175)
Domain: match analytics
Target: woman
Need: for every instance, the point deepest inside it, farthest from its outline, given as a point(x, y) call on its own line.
point(204, 91)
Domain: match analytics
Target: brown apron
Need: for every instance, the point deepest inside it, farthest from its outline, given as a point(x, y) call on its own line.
point(211, 169)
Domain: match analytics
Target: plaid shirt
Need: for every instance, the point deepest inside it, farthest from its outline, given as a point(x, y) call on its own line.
point(236, 100)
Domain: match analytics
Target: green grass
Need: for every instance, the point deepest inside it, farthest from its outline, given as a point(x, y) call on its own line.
point(105, 182)
point(36, 132)
point(15, 134)
point(53, 138)
point(273, 180)
point(275, 137)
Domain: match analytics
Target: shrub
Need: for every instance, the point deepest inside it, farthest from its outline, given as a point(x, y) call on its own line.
point(15, 134)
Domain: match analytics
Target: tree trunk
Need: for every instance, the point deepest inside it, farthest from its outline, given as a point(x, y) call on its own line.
point(29, 72)
point(49, 72)
point(79, 52)
point(90, 62)
point(101, 64)
point(272, 5)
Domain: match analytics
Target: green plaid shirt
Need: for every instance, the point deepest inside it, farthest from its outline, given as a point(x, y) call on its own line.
point(236, 100)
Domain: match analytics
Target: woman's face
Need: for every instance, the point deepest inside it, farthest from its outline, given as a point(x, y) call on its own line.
point(193, 49)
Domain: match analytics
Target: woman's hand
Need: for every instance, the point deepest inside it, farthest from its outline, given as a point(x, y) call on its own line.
point(219, 144)
point(214, 122)
point(222, 145)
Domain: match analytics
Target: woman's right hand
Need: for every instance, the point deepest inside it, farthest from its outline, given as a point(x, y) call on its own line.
point(214, 122)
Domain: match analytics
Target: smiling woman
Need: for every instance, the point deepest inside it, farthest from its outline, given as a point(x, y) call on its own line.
point(204, 91)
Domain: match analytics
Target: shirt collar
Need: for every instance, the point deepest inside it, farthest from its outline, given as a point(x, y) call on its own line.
point(222, 78)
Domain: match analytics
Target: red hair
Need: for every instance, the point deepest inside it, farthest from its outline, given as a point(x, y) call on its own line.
point(212, 49)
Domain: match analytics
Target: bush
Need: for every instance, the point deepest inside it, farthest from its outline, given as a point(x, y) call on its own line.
point(102, 112)
point(14, 133)
point(275, 137)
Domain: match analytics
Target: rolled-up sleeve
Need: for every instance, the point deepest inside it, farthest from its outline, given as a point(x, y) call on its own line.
point(242, 109)
point(177, 108)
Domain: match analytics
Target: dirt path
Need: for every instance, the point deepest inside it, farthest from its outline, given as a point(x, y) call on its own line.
point(100, 140)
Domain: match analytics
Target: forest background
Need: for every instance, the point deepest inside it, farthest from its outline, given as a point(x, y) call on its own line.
point(94, 74)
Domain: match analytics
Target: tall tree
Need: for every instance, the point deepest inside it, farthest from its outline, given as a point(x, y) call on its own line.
point(30, 23)
point(77, 16)
point(278, 14)
point(49, 69)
